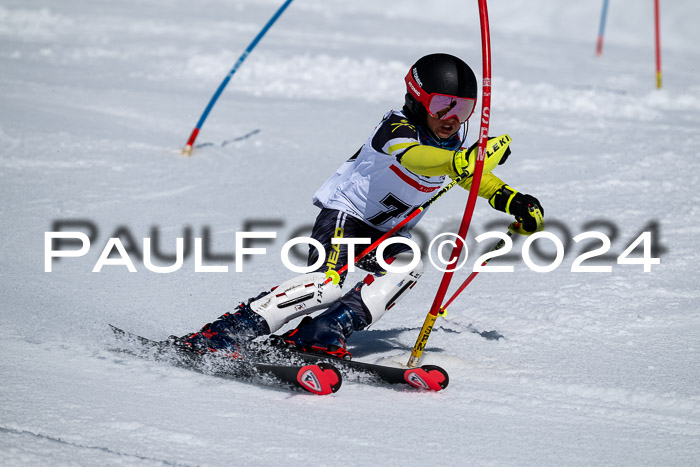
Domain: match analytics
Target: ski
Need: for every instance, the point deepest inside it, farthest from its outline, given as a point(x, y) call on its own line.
point(315, 377)
point(426, 377)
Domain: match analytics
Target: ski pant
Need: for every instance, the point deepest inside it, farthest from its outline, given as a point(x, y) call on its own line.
point(330, 224)
point(369, 299)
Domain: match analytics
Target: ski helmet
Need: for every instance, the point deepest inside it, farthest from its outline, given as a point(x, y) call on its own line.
point(442, 86)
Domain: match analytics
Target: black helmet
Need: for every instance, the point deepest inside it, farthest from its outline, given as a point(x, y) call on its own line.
point(446, 76)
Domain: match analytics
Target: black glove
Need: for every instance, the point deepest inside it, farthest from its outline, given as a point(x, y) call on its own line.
point(526, 208)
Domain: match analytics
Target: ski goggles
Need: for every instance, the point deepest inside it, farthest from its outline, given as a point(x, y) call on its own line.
point(441, 106)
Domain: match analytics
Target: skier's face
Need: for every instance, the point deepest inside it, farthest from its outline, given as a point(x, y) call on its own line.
point(443, 128)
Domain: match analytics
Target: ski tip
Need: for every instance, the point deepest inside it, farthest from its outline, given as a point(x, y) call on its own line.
point(322, 378)
point(428, 377)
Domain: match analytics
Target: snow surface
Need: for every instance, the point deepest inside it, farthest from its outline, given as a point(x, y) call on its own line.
point(97, 99)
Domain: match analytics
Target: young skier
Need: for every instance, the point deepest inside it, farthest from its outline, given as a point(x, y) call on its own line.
point(402, 164)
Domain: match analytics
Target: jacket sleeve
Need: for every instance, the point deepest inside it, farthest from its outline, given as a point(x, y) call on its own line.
point(487, 188)
point(428, 161)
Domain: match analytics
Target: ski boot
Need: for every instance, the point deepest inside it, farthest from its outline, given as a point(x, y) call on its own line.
point(327, 333)
point(228, 333)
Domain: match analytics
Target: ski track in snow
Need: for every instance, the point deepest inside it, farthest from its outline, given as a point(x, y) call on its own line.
point(594, 368)
point(42, 442)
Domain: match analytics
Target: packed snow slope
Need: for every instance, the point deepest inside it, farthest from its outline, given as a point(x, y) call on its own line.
point(97, 99)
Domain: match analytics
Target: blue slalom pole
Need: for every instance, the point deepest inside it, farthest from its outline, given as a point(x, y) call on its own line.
point(187, 150)
point(601, 30)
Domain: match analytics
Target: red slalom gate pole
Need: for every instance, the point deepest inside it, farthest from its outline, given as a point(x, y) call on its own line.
point(513, 228)
point(657, 34)
point(418, 348)
point(471, 277)
point(334, 276)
